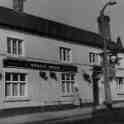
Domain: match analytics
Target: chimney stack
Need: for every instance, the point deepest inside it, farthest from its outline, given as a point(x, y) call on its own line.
point(18, 5)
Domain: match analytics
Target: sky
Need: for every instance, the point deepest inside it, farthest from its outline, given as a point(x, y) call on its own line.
point(79, 13)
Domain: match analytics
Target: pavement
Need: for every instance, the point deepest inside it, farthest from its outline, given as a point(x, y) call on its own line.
point(46, 117)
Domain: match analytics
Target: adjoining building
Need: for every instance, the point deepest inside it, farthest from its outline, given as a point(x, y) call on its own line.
point(41, 60)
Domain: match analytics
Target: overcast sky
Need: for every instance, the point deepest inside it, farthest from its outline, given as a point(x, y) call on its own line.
point(79, 13)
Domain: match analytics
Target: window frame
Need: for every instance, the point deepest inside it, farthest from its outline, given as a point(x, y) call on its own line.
point(11, 49)
point(120, 83)
point(65, 54)
point(67, 85)
point(93, 58)
point(16, 82)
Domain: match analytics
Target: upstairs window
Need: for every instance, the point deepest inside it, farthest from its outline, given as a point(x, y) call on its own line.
point(119, 82)
point(65, 54)
point(93, 58)
point(15, 46)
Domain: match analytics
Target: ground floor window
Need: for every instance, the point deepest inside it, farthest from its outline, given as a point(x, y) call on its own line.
point(67, 82)
point(119, 82)
point(15, 84)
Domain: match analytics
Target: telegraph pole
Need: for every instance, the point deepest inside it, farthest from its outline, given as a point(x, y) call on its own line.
point(104, 29)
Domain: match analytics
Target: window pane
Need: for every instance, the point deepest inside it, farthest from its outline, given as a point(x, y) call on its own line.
point(94, 57)
point(72, 76)
point(67, 76)
point(72, 86)
point(63, 76)
point(7, 76)
point(14, 47)
point(68, 86)
point(64, 54)
point(8, 45)
point(19, 47)
point(63, 86)
point(90, 57)
point(68, 55)
point(15, 89)
point(15, 77)
point(7, 89)
point(60, 53)
point(22, 89)
point(22, 77)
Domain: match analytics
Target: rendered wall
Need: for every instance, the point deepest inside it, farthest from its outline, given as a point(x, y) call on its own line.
point(41, 92)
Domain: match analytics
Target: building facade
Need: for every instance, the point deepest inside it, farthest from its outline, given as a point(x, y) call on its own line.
point(42, 60)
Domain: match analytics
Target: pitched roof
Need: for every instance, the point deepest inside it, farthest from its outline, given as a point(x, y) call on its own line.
point(44, 27)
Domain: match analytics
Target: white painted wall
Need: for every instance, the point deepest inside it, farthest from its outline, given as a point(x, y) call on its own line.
point(42, 92)
point(45, 48)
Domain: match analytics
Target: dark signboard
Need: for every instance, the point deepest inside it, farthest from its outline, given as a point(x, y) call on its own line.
point(15, 63)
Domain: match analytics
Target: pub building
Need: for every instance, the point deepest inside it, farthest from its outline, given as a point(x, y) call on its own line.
point(41, 60)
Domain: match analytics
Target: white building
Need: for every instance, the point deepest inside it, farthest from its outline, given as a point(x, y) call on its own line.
point(41, 60)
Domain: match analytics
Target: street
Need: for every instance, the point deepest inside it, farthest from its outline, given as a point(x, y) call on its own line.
point(85, 115)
